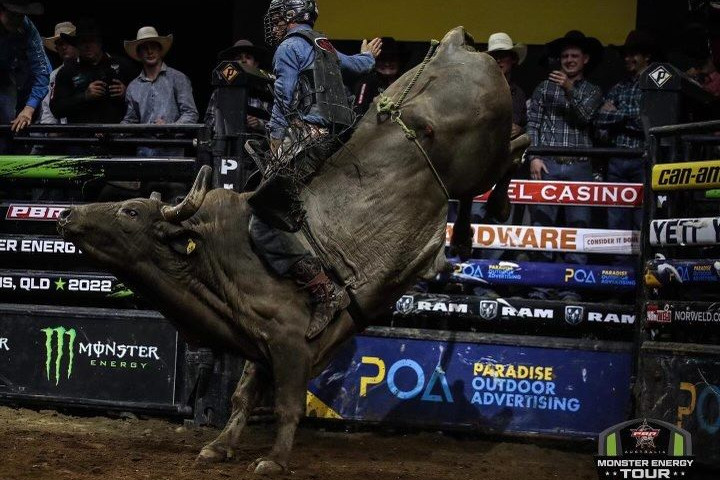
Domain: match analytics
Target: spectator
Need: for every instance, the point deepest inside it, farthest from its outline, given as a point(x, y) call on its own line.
point(507, 55)
point(68, 54)
point(251, 57)
point(560, 114)
point(91, 90)
point(388, 68)
point(21, 57)
point(619, 120)
point(160, 94)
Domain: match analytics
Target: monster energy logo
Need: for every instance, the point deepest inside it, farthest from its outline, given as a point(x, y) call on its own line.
point(59, 334)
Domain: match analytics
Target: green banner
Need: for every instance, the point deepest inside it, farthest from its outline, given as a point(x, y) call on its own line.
point(46, 167)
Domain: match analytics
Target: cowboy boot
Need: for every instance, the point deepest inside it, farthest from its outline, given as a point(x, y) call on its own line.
point(327, 297)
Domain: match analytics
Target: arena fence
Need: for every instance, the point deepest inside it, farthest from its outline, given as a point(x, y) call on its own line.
point(679, 370)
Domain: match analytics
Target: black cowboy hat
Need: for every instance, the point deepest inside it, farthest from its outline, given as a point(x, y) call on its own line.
point(591, 46)
point(24, 7)
point(643, 42)
point(85, 28)
point(391, 50)
point(243, 45)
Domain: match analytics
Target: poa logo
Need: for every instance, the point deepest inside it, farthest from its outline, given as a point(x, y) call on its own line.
point(59, 351)
point(644, 448)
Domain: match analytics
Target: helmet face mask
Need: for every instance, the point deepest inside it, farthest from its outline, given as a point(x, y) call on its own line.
point(282, 12)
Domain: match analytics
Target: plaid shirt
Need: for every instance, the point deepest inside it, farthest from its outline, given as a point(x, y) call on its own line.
point(556, 119)
point(623, 126)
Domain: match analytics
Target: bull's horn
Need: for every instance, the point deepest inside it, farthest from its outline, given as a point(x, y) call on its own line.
point(156, 196)
point(192, 201)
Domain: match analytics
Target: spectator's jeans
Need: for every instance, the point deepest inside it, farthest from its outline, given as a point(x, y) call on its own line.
point(8, 100)
point(575, 217)
point(623, 170)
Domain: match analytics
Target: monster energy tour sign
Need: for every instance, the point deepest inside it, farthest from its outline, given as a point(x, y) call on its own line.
point(110, 355)
point(96, 358)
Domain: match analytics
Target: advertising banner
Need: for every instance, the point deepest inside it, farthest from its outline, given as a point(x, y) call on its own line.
point(509, 313)
point(30, 218)
point(487, 387)
point(99, 358)
point(553, 239)
point(661, 273)
point(681, 385)
point(19, 285)
point(543, 274)
point(683, 313)
point(538, 192)
point(686, 175)
point(683, 232)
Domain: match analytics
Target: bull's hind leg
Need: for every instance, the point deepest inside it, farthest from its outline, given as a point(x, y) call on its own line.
point(291, 372)
point(247, 394)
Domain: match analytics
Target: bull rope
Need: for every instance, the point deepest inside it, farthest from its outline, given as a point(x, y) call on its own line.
point(386, 106)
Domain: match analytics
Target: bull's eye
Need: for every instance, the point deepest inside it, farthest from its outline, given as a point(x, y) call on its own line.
point(130, 212)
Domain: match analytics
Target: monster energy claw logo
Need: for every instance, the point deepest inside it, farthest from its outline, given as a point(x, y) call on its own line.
point(61, 332)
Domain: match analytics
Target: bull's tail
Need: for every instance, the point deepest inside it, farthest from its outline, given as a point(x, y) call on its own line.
point(498, 205)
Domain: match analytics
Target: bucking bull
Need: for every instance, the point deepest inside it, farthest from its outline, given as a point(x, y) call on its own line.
point(377, 217)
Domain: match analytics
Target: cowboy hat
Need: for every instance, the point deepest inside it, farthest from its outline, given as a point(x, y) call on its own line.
point(86, 28)
point(24, 7)
point(63, 27)
point(501, 42)
point(591, 46)
point(243, 45)
point(640, 41)
point(147, 35)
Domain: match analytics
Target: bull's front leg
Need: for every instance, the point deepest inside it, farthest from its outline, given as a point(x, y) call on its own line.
point(248, 393)
point(291, 371)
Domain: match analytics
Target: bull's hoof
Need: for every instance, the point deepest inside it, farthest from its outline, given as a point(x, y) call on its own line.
point(212, 454)
point(265, 467)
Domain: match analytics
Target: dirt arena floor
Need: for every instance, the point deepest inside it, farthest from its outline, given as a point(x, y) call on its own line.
point(48, 445)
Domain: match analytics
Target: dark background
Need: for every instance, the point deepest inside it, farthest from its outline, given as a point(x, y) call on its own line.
point(201, 29)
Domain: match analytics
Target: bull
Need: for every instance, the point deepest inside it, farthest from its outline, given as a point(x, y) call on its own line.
point(376, 214)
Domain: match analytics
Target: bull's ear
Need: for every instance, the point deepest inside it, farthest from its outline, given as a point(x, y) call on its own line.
point(181, 240)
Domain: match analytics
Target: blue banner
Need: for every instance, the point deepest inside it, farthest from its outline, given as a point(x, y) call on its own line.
point(663, 272)
point(540, 274)
point(499, 388)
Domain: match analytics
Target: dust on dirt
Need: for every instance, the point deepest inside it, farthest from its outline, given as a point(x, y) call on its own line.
point(48, 445)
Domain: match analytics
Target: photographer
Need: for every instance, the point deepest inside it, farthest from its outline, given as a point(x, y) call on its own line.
point(91, 90)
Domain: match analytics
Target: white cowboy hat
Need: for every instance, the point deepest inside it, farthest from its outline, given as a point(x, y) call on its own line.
point(145, 35)
point(502, 42)
point(63, 27)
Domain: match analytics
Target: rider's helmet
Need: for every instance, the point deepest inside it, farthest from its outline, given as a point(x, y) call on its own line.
point(282, 12)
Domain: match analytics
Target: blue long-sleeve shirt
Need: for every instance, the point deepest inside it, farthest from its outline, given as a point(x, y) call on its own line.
point(293, 55)
point(14, 48)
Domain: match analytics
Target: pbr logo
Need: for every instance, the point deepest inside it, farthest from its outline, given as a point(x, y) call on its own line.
point(38, 213)
point(644, 448)
point(574, 314)
point(405, 304)
point(488, 309)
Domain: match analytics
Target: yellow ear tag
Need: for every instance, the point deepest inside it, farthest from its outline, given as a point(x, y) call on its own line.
point(190, 246)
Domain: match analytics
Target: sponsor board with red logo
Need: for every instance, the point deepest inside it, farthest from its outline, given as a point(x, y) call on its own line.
point(656, 314)
point(518, 237)
point(34, 212)
point(537, 192)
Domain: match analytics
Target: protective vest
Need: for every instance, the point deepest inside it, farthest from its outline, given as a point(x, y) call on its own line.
point(320, 87)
